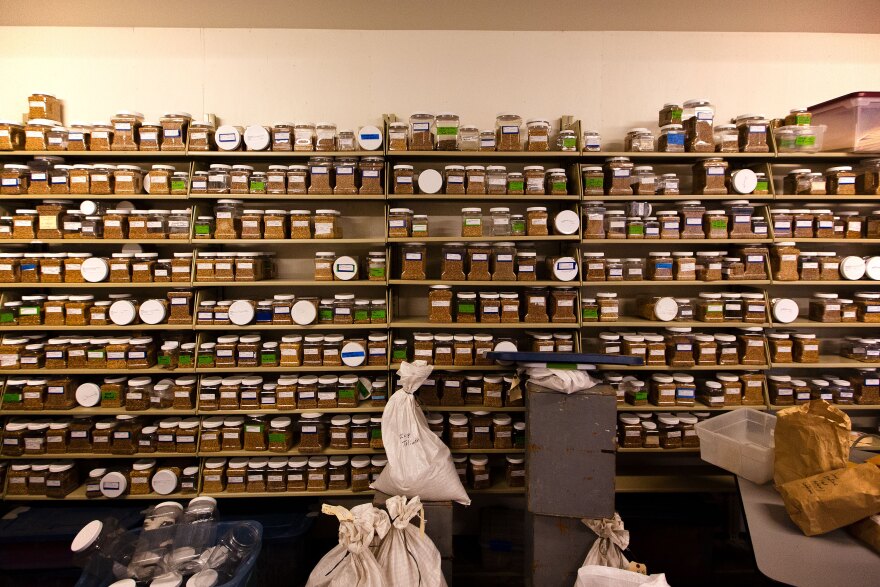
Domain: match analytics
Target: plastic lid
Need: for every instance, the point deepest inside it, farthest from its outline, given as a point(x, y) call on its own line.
point(665, 309)
point(566, 222)
point(164, 482)
point(168, 579)
point(206, 578)
point(113, 484)
point(430, 181)
point(345, 268)
point(88, 395)
point(122, 312)
point(353, 354)
point(87, 536)
point(241, 312)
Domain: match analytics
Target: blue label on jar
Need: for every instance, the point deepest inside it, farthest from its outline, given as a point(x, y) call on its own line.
point(675, 139)
point(370, 137)
point(663, 265)
point(353, 354)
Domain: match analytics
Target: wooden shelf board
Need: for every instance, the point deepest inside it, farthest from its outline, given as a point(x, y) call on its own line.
point(826, 362)
point(680, 156)
point(478, 239)
point(94, 241)
point(290, 283)
point(79, 494)
point(420, 323)
point(827, 198)
point(128, 328)
point(101, 456)
point(820, 241)
point(290, 241)
point(96, 411)
point(510, 368)
point(661, 243)
point(640, 322)
point(294, 197)
point(658, 450)
point(683, 369)
point(813, 283)
point(673, 283)
point(366, 407)
point(537, 283)
point(102, 285)
point(698, 407)
point(291, 327)
point(93, 197)
point(100, 154)
point(133, 372)
point(471, 409)
point(482, 198)
point(482, 155)
point(684, 483)
point(280, 154)
point(842, 407)
point(350, 451)
point(664, 198)
point(303, 369)
point(807, 323)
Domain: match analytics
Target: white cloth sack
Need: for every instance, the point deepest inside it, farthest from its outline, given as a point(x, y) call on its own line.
point(613, 539)
point(419, 464)
point(351, 563)
point(409, 557)
point(562, 380)
point(597, 576)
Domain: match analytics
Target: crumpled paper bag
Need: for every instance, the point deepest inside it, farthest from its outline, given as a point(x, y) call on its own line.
point(810, 439)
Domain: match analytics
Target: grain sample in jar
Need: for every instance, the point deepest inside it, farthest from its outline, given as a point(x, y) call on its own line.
point(471, 222)
point(709, 176)
point(440, 302)
point(413, 261)
point(752, 346)
point(507, 132)
point(327, 224)
point(536, 221)
point(402, 176)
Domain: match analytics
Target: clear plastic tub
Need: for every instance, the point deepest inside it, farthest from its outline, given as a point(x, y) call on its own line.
point(800, 139)
point(740, 441)
point(853, 122)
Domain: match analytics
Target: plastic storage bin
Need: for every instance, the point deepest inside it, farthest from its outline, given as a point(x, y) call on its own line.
point(853, 122)
point(740, 441)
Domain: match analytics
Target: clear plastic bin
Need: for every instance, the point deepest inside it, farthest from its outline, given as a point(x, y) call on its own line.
point(853, 122)
point(740, 441)
point(800, 139)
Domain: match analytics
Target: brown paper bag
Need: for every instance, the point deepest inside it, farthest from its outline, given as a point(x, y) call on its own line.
point(868, 531)
point(810, 439)
point(834, 499)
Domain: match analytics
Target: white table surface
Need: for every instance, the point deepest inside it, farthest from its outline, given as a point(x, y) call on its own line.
point(784, 554)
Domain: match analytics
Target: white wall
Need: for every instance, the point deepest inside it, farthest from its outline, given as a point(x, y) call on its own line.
point(610, 80)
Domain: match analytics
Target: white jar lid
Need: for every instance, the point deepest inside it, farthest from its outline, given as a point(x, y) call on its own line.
point(153, 312)
point(113, 484)
point(785, 310)
point(565, 268)
point(164, 482)
point(95, 269)
point(666, 309)
point(566, 222)
point(241, 312)
point(345, 268)
point(353, 354)
point(256, 138)
point(88, 395)
point(303, 312)
point(122, 312)
point(430, 181)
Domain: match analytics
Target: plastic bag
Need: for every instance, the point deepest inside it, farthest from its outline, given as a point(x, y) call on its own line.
point(599, 576)
point(561, 380)
point(419, 464)
point(409, 557)
point(351, 563)
point(607, 550)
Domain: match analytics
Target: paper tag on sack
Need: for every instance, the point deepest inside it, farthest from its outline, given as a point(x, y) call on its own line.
point(637, 568)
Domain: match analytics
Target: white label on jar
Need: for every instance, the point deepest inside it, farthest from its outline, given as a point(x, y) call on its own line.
point(715, 171)
point(422, 353)
point(810, 265)
point(634, 271)
point(22, 223)
point(846, 180)
point(391, 223)
point(475, 179)
point(440, 303)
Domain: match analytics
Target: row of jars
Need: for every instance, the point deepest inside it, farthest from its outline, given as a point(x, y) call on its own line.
point(480, 180)
point(710, 177)
point(322, 175)
point(288, 309)
point(231, 221)
point(659, 430)
point(444, 132)
point(49, 175)
point(55, 220)
point(124, 434)
point(749, 134)
point(452, 388)
point(865, 350)
point(831, 307)
point(284, 136)
point(447, 350)
point(693, 221)
point(86, 268)
point(27, 351)
point(288, 392)
point(281, 474)
point(840, 180)
point(681, 347)
point(708, 307)
point(52, 479)
point(129, 393)
point(84, 310)
point(534, 305)
point(789, 263)
point(311, 350)
point(823, 223)
point(682, 389)
point(747, 263)
point(403, 222)
point(861, 387)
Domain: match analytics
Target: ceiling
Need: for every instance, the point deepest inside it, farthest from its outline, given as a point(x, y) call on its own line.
point(839, 16)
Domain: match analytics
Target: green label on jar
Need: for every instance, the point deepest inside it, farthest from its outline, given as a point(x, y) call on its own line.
point(594, 182)
point(346, 394)
point(675, 114)
point(12, 398)
point(258, 186)
point(805, 140)
point(718, 224)
point(591, 313)
point(360, 315)
point(203, 360)
point(762, 186)
point(376, 433)
point(569, 142)
point(277, 437)
point(377, 315)
point(178, 186)
point(326, 314)
point(109, 395)
point(266, 358)
point(7, 317)
point(515, 186)
point(447, 130)
point(467, 308)
point(635, 229)
point(399, 354)
point(641, 396)
point(186, 361)
point(164, 360)
point(803, 119)
point(559, 186)
point(377, 271)
point(518, 226)
point(203, 229)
